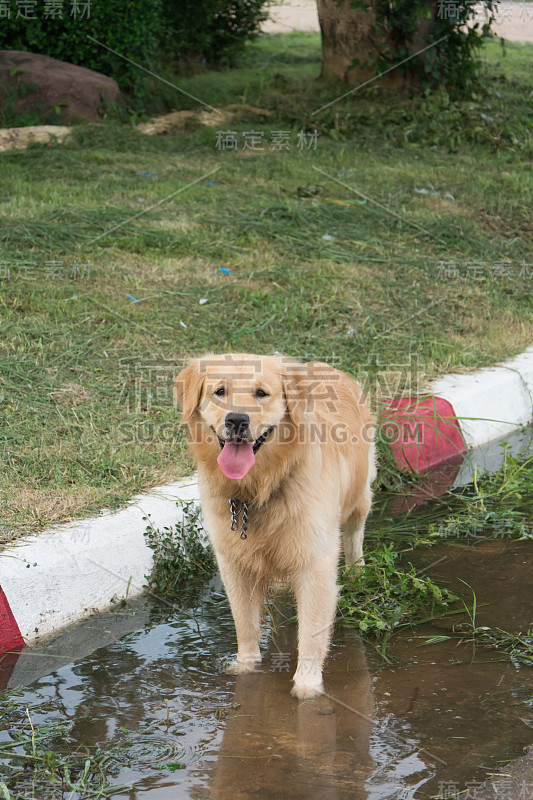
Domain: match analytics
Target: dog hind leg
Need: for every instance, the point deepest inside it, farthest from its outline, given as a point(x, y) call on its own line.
point(354, 530)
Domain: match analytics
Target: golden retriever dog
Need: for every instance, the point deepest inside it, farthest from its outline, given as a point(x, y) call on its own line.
point(285, 456)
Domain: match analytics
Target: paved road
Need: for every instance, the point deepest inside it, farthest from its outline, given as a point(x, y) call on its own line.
point(515, 19)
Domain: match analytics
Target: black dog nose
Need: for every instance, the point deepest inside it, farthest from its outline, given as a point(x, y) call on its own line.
point(237, 423)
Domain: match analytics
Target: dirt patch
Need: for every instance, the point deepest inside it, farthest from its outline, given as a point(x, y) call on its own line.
point(70, 395)
point(178, 120)
point(43, 507)
point(21, 138)
point(512, 780)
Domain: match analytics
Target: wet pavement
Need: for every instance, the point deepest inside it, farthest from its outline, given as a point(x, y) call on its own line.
point(437, 720)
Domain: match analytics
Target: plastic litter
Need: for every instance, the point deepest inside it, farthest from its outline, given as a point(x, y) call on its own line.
point(432, 191)
point(210, 183)
point(328, 238)
point(147, 174)
point(225, 271)
point(204, 300)
point(350, 331)
point(183, 325)
point(133, 298)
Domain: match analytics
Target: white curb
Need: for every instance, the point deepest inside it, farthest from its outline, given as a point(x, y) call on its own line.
point(523, 364)
point(490, 456)
point(489, 404)
point(63, 575)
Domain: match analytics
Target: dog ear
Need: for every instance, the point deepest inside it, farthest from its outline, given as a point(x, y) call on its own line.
point(188, 389)
point(296, 391)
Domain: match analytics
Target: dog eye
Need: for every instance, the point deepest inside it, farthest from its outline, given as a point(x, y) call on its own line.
point(220, 391)
point(261, 393)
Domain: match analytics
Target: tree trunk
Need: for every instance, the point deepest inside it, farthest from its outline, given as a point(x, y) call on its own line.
point(352, 41)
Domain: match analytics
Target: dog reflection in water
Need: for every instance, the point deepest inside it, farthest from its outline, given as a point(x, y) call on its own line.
point(272, 747)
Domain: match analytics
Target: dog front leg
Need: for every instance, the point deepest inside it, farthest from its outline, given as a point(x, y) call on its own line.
point(246, 599)
point(316, 593)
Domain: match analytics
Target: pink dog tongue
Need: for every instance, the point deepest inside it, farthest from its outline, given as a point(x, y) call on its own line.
point(236, 460)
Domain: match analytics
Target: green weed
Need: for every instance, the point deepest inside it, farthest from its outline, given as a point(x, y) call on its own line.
point(518, 647)
point(42, 760)
point(495, 505)
point(383, 596)
point(182, 555)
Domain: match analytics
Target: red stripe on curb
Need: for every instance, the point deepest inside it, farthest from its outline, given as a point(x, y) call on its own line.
point(10, 636)
point(422, 433)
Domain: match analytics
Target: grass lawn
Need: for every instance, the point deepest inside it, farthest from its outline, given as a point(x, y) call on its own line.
point(398, 248)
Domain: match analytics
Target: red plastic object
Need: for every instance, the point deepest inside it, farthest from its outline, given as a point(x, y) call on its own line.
point(10, 637)
point(422, 432)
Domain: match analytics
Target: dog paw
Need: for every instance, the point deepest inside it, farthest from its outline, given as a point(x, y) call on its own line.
point(304, 691)
point(244, 666)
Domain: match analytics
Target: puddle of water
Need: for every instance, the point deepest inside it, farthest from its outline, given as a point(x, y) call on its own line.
point(442, 715)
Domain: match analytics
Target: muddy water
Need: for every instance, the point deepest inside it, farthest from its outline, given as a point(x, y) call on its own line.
point(435, 721)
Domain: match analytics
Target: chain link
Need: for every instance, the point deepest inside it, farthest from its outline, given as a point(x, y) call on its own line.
point(244, 520)
point(235, 507)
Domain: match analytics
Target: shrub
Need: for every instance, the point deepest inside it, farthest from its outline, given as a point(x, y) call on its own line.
point(131, 28)
point(211, 29)
point(449, 31)
point(138, 31)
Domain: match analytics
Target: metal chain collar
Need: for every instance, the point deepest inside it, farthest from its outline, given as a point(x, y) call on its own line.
point(235, 507)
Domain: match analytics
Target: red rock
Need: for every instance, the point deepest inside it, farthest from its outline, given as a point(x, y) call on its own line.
point(81, 93)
